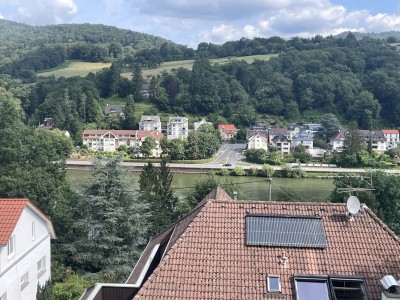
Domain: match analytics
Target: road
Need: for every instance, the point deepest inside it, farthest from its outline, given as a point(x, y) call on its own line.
point(229, 153)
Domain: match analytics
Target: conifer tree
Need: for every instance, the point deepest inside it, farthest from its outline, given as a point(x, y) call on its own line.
point(112, 223)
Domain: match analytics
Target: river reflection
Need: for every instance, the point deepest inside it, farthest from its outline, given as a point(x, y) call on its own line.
point(253, 188)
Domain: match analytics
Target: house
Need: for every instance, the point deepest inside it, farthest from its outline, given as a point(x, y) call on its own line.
point(227, 132)
point(392, 138)
point(375, 138)
point(335, 142)
point(145, 90)
point(230, 249)
point(150, 123)
point(25, 234)
point(196, 125)
point(177, 128)
point(281, 143)
point(293, 130)
point(273, 132)
point(111, 140)
point(113, 110)
point(48, 123)
point(257, 139)
point(305, 138)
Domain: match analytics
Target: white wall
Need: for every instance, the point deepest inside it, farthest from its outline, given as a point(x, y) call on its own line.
point(28, 251)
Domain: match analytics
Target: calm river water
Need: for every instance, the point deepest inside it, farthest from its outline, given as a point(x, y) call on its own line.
point(253, 188)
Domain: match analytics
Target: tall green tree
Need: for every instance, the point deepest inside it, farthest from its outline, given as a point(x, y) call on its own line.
point(330, 125)
point(129, 119)
point(112, 224)
point(146, 149)
point(155, 188)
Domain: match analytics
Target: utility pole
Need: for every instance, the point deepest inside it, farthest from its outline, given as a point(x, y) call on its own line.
point(270, 188)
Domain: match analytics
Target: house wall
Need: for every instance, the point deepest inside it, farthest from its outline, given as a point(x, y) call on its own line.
point(307, 144)
point(150, 126)
point(28, 252)
point(392, 140)
point(258, 142)
point(177, 130)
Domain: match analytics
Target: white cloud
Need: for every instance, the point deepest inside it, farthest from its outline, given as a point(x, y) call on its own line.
point(40, 12)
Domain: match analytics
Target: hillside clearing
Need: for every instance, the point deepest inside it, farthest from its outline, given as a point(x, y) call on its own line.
point(80, 68)
point(74, 68)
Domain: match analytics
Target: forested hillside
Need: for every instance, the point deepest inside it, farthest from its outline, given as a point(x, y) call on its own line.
point(357, 80)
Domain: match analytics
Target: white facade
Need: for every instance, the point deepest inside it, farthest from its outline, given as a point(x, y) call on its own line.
point(258, 141)
point(392, 138)
point(25, 260)
point(177, 128)
point(150, 123)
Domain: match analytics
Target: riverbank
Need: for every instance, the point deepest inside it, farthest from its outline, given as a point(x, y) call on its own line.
point(206, 168)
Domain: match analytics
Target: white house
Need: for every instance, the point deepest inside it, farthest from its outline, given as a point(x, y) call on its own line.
point(392, 138)
point(258, 140)
point(177, 128)
point(150, 123)
point(281, 143)
point(25, 234)
point(111, 140)
point(305, 138)
point(336, 141)
point(375, 138)
point(196, 125)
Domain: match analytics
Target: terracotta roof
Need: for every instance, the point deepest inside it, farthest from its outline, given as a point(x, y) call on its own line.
point(121, 134)
point(207, 256)
point(10, 212)
point(228, 128)
point(390, 131)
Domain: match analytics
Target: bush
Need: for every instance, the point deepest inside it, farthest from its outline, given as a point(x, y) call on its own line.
point(267, 171)
point(256, 155)
point(223, 172)
point(239, 171)
point(252, 171)
point(289, 172)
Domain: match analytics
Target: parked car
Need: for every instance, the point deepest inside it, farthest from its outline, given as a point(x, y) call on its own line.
point(227, 165)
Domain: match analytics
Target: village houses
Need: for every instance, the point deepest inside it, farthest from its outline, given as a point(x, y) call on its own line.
point(150, 123)
point(227, 132)
point(177, 128)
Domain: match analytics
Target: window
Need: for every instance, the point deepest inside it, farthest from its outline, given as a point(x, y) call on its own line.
point(33, 230)
point(273, 283)
point(330, 288)
point(11, 246)
point(41, 266)
point(24, 281)
point(4, 296)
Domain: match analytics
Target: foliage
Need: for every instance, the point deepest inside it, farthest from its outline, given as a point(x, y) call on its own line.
point(203, 143)
point(383, 199)
point(204, 185)
point(330, 125)
point(238, 171)
point(72, 287)
point(290, 172)
point(147, 147)
point(155, 189)
point(109, 215)
point(300, 153)
point(353, 144)
point(258, 156)
point(267, 171)
point(45, 292)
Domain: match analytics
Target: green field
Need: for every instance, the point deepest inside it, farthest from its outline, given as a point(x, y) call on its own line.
point(74, 68)
point(79, 68)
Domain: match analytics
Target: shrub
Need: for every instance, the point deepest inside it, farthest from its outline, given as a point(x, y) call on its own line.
point(239, 171)
point(267, 171)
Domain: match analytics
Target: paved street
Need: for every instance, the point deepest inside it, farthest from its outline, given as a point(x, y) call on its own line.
point(229, 153)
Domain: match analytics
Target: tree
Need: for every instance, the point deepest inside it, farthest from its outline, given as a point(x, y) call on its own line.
point(129, 119)
point(45, 292)
point(352, 145)
point(111, 224)
point(203, 143)
point(300, 152)
point(203, 186)
point(330, 125)
point(155, 188)
point(256, 155)
point(147, 146)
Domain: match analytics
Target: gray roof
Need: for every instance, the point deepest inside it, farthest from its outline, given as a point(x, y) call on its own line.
point(150, 119)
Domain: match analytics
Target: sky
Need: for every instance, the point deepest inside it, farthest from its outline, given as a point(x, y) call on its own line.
point(190, 22)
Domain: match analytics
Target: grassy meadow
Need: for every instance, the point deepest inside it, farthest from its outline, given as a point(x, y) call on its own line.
point(74, 68)
point(80, 68)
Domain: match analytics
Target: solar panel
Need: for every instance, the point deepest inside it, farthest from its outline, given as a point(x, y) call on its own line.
point(285, 231)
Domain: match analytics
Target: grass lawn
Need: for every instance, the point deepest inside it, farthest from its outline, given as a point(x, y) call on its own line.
point(79, 68)
point(74, 68)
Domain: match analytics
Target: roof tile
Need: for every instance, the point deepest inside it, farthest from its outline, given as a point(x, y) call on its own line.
point(10, 211)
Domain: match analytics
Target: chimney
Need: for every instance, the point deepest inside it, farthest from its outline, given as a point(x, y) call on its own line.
point(235, 195)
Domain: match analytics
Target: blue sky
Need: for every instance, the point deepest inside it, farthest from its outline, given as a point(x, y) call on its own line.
point(190, 22)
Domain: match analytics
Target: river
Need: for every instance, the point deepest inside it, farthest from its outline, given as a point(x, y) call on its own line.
point(252, 188)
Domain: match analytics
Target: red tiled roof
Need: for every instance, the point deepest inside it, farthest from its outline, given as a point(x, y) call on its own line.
point(228, 128)
point(122, 134)
point(10, 212)
point(390, 131)
point(209, 259)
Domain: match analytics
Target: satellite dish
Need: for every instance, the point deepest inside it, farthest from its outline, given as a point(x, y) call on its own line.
point(353, 205)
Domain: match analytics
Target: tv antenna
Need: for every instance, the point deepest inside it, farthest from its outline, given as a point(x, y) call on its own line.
point(349, 188)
